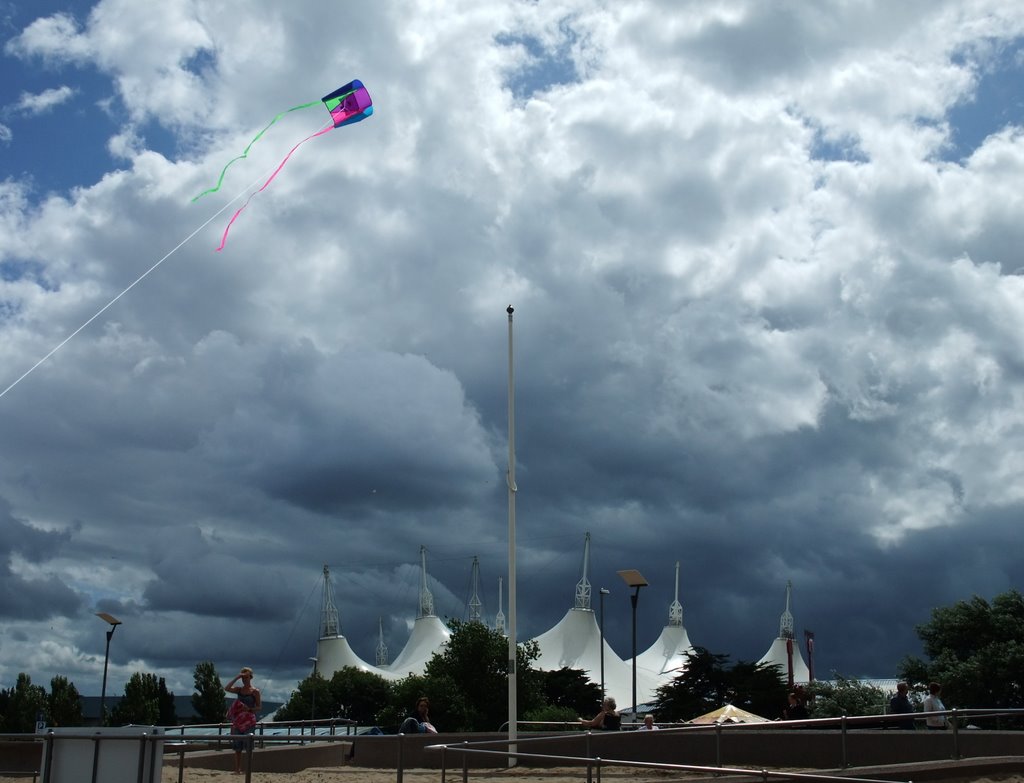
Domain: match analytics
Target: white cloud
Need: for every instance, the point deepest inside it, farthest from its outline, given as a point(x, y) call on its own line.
point(43, 102)
point(6, 135)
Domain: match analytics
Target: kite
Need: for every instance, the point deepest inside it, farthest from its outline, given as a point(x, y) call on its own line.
point(347, 105)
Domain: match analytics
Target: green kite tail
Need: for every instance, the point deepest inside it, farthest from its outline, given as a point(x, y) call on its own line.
point(245, 152)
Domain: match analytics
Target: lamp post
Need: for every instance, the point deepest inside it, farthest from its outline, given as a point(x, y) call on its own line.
point(634, 579)
point(114, 622)
point(602, 592)
point(312, 716)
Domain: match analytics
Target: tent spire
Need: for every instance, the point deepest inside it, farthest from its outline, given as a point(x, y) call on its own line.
point(583, 586)
point(499, 618)
point(382, 648)
point(786, 621)
point(329, 623)
point(675, 609)
point(426, 597)
point(474, 599)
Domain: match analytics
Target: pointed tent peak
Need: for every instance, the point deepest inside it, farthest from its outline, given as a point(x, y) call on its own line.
point(786, 621)
point(675, 609)
point(382, 648)
point(330, 624)
point(583, 586)
point(475, 604)
point(426, 597)
point(499, 618)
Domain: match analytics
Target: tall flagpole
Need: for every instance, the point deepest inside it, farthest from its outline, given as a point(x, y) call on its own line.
point(511, 480)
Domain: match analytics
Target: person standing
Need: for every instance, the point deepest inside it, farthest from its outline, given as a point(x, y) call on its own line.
point(244, 711)
point(900, 705)
point(932, 703)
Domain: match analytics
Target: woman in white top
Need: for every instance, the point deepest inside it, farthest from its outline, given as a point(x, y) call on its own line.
point(932, 703)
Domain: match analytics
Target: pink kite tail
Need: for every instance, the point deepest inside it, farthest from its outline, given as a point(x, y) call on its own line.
point(224, 238)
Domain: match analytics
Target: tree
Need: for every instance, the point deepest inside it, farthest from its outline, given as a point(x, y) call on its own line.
point(23, 704)
point(300, 704)
point(471, 671)
point(846, 696)
point(208, 701)
point(571, 691)
point(140, 704)
point(63, 705)
point(362, 696)
point(708, 682)
point(976, 651)
point(167, 714)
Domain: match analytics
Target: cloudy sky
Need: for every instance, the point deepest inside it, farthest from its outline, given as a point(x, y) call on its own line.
point(765, 260)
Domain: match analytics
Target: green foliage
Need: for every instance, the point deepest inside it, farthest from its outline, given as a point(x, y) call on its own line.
point(300, 703)
point(208, 701)
point(361, 696)
point(847, 696)
point(167, 715)
point(553, 714)
point(21, 705)
point(570, 690)
point(708, 682)
point(976, 651)
point(63, 705)
point(140, 704)
point(471, 672)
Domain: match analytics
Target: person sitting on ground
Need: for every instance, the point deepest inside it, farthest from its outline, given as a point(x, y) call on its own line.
point(608, 719)
point(419, 721)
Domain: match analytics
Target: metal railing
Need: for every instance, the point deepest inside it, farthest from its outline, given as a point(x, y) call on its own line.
point(844, 724)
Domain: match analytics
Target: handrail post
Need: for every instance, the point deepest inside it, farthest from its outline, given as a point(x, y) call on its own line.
point(400, 760)
point(956, 736)
point(842, 731)
point(142, 757)
point(48, 752)
point(95, 755)
point(444, 762)
point(718, 744)
point(590, 754)
point(465, 763)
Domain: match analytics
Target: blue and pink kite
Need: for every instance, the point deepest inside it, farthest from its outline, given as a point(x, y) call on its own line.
point(347, 105)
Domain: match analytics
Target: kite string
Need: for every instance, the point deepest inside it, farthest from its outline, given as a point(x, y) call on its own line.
point(223, 240)
point(138, 280)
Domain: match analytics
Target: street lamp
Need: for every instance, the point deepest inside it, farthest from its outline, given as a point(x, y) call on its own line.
point(114, 622)
point(634, 579)
point(313, 712)
point(602, 592)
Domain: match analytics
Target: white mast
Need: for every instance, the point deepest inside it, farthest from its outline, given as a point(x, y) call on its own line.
point(382, 648)
point(675, 609)
point(330, 625)
point(426, 597)
point(474, 599)
point(583, 586)
point(510, 478)
point(499, 618)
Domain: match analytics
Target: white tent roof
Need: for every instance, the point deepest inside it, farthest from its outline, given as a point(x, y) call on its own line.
point(575, 642)
point(667, 656)
point(334, 653)
point(778, 656)
point(428, 636)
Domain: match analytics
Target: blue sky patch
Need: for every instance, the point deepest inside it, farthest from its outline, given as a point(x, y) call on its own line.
point(546, 67)
point(997, 102)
